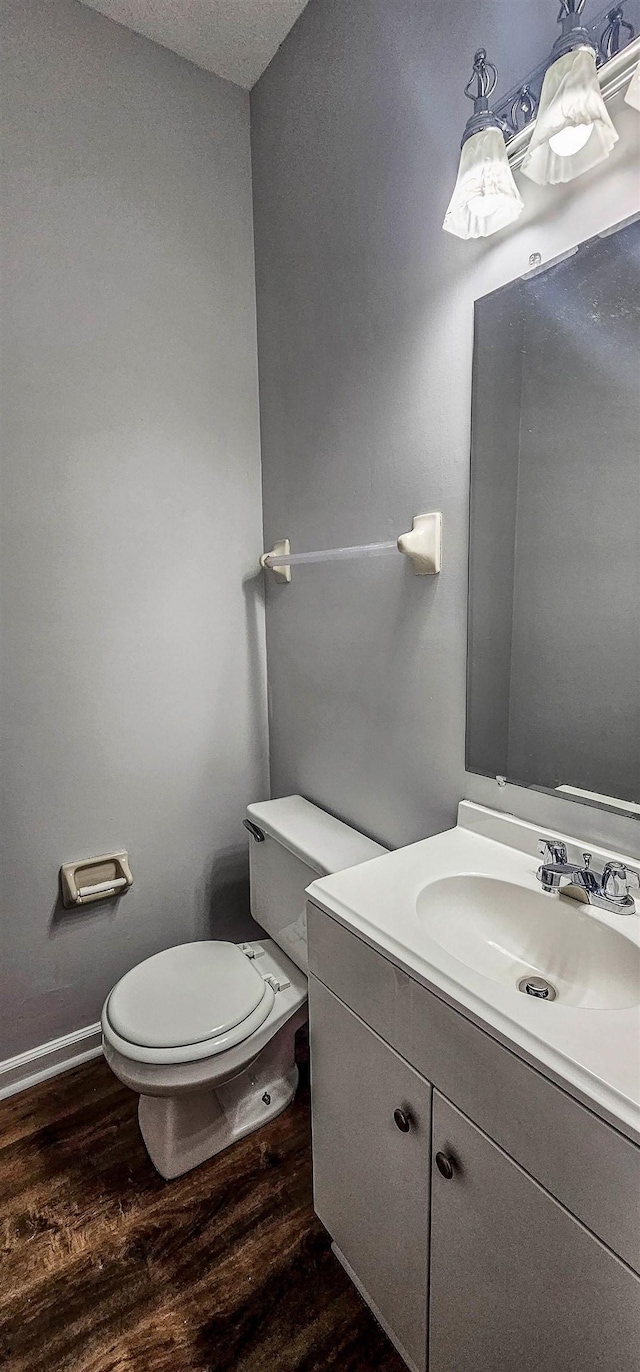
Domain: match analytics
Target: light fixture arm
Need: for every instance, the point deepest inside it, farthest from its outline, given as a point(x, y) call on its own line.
point(524, 108)
point(485, 76)
point(574, 34)
point(612, 40)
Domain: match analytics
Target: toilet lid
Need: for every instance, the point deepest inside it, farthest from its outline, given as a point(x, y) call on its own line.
point(186, 995)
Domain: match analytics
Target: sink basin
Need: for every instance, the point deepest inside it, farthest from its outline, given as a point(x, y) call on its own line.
point(508, 932)
point(462, 913)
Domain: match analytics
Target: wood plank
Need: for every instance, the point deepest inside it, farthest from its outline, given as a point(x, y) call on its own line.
point(108, 1268)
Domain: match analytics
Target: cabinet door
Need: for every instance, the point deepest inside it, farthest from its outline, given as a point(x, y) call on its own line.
point(518, 1284)
point(371, 1179)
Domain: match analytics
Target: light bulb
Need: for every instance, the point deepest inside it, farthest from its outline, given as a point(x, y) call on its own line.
point(484, 205)
point(570, 140)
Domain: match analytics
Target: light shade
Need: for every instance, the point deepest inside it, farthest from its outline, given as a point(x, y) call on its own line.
point(633, 93)
point(573, 130)
point(485, 196)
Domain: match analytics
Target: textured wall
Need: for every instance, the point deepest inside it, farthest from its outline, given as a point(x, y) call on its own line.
point(365, 323)
point(133, 700)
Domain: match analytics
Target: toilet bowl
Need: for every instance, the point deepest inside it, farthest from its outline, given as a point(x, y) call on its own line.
point(209, 1067)
point(205, 1031)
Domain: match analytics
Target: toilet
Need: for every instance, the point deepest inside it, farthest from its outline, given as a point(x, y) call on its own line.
point(204, 1032)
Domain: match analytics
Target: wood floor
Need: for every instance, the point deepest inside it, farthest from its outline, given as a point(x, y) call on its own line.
point(107, 1268)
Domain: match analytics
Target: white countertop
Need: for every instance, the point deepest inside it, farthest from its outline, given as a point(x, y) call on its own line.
point(594, 1053)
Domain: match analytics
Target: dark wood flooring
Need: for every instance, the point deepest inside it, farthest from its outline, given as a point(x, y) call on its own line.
point(107, 1268)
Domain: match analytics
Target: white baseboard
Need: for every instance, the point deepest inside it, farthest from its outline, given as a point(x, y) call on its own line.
point(27, 1069)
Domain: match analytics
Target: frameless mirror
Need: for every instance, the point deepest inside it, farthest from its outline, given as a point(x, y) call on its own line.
point(553, 680)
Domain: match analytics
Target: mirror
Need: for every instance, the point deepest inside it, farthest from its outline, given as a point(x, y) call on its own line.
point(553, 679)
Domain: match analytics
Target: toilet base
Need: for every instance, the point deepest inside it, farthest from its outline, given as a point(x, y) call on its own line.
point(182, 1131)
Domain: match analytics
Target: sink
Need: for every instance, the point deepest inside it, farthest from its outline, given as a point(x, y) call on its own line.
point(463, 913)
point(508, 932)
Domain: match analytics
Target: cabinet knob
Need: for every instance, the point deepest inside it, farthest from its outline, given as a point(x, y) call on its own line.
point(403, 1120)
point(445, 1166)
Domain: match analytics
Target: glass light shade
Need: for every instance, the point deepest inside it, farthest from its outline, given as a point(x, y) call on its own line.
point(632, 96)
point(485, 196)
point(573, 130)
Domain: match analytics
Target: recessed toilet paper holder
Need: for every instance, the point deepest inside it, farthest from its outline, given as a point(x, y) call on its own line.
point(98, 878)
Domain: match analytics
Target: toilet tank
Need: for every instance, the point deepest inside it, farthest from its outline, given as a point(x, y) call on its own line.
point(300, 843)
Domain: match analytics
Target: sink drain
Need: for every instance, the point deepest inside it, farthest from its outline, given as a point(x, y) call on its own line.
point(537, 986)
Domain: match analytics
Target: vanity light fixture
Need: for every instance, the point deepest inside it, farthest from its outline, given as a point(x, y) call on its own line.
point(573, 131)
point(485, 196)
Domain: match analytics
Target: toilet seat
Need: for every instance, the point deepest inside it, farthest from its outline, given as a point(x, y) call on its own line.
point(187, 1003)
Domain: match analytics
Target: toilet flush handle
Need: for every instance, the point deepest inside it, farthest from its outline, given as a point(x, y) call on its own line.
point(255, 832)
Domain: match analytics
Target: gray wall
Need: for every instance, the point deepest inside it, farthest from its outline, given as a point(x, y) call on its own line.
point(133, 701)
point(365, 321)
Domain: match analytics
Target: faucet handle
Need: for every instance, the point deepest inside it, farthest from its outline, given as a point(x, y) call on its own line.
point(552, 850)
point(617, 880)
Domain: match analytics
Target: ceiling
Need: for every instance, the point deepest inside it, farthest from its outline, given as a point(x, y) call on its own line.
point(236, 39)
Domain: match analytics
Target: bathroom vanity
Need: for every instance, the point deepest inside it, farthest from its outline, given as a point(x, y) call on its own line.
point(477, 1150)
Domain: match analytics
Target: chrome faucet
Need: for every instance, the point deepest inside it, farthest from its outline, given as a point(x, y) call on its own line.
point(608, 889)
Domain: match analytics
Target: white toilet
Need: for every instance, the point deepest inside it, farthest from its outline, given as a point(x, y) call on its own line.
point(205, 1031)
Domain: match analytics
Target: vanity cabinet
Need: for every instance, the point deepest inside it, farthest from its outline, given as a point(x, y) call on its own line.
point(371, 1152)
point(516, 1281)
point(507, 1210)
